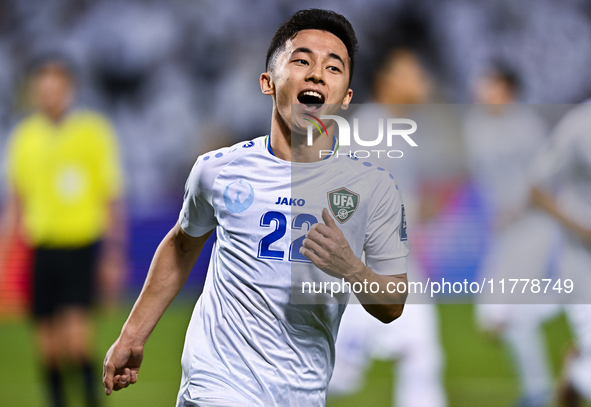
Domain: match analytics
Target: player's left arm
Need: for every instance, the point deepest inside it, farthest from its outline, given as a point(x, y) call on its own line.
point(565, 150)
point(326, 246)
point(544, 201)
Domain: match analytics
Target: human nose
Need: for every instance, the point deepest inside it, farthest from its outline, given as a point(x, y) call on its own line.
point(315, 74)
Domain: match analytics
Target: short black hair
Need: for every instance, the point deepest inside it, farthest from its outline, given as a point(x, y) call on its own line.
point(314, 19)
point(41, 61)
point(409, 30)
point(504, 71)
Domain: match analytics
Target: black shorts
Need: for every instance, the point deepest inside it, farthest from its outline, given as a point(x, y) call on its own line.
point(63, 278)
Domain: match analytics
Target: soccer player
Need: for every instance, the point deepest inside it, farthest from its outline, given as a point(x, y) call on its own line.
point(563, 189)
point(248, 343)
point(502, 139)
point(64, 187)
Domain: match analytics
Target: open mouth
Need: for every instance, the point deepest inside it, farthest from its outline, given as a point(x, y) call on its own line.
point(310, 98)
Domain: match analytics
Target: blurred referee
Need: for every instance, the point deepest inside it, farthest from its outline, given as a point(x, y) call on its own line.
point(64, 183)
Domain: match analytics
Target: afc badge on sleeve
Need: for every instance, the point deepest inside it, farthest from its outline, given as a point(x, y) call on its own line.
point(403, 236)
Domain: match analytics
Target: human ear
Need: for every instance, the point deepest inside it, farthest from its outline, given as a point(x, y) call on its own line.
point(347, 99)
point(267, 85)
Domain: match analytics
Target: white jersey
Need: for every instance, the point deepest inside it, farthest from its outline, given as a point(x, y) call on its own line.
point(248, 342)
point(565, 168)
point(500, 150)
point(566, 165)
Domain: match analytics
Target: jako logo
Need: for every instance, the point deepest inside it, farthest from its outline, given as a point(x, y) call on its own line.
point(345, 131)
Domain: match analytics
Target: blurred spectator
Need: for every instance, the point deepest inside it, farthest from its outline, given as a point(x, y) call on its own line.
point(502, 139)
point(135, 66)
point(64, 191)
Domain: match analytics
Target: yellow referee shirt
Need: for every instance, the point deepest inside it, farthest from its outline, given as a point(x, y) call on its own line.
point(65, 175)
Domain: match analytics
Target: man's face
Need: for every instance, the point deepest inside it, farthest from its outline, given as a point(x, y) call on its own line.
point(311, 72)
point(493, 90)
point(403, 80)
point(52, 90)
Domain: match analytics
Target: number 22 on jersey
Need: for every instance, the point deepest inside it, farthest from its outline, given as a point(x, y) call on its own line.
point(280, 228)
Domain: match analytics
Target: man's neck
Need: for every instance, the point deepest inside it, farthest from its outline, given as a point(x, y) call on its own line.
point(498, 109)
point(296, 148)
point(398, 106)
point(54, 116)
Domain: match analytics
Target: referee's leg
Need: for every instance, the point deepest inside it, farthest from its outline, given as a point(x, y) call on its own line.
point(44, 289)
point(78, 271)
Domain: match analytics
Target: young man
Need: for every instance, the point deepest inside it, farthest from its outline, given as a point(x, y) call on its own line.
point(563, 190)
point(248, 343)
point(501, 141)
point(64, 185)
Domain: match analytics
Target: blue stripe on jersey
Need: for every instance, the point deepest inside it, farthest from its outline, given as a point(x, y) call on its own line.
point(268, 140)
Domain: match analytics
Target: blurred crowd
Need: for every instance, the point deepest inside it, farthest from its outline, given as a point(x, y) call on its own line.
point(181, 77)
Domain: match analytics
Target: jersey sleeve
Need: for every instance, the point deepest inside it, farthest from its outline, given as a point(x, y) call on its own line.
point(197, 215)
point(386, 245)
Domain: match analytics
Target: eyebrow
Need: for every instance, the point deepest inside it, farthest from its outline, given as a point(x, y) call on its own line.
point(309, 51)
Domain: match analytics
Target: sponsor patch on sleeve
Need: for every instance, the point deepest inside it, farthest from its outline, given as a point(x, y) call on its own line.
point(403, 235)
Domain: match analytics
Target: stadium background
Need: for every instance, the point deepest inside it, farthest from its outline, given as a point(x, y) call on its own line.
point(179, 78)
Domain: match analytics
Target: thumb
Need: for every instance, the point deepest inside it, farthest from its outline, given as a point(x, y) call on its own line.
point(108, 373)
point(328, 220)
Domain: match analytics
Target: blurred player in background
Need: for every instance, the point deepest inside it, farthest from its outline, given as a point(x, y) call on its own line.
point(413, 340)
point(501, 141)
point(65, 185)
point(563, 189)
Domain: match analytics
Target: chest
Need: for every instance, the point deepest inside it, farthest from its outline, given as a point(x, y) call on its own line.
point(270, 213)
point(50, 150)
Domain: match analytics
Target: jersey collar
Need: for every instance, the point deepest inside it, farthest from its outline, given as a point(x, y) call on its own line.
point(334, 148)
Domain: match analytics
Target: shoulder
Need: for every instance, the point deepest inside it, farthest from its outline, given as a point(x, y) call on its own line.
point(217, 159)
point(574, 125)
point(26, 129)
point(28, 123)
point(225, 155)
point(91, 121)
point(369, 168)
point(89, 116)
point(380, 181)
point(209, 165)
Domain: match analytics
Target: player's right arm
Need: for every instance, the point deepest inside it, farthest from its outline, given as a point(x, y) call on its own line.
point(569, 149)
point(168, 272)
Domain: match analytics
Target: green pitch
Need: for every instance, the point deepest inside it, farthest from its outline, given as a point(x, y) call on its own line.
point(478, 370)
